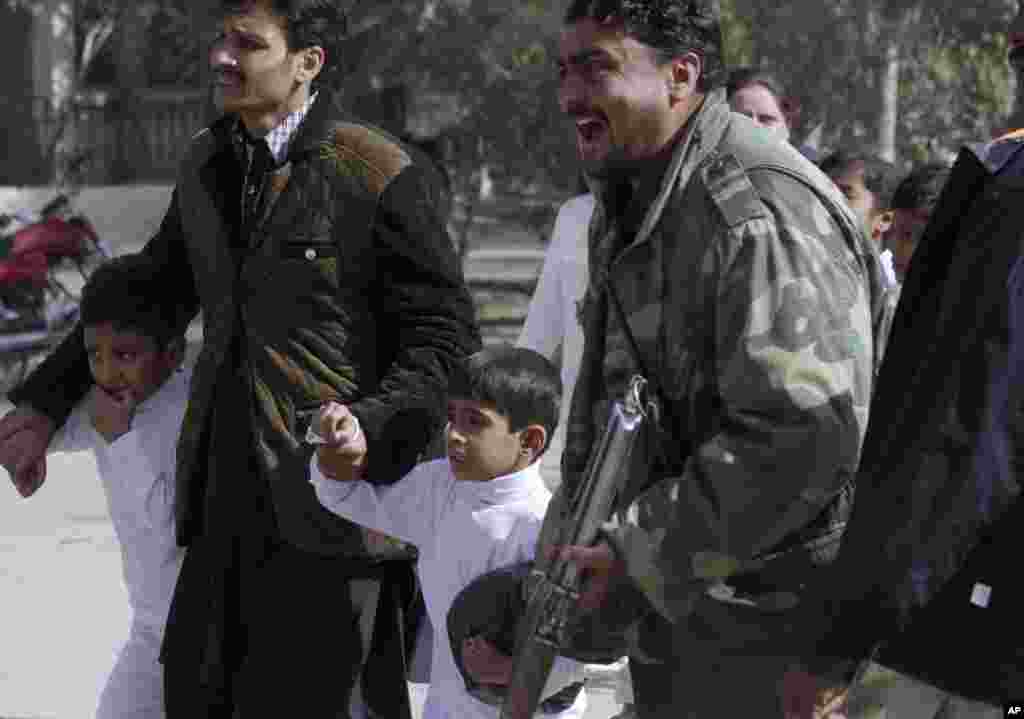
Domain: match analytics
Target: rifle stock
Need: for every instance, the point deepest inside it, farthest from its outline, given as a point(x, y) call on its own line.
point(554, 591)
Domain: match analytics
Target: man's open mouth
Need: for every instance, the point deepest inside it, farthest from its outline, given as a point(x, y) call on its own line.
point(227, 78)
point(589, 129)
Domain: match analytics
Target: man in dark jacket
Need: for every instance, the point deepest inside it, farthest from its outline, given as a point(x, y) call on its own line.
point(313, 245)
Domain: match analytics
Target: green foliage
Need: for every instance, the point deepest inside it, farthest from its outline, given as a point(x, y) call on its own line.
point(486, 69)
point(954, 80)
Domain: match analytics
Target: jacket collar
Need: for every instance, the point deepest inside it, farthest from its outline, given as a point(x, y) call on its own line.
point(697, 142)
point(314, 130)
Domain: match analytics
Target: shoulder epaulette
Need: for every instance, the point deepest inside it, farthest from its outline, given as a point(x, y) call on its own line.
point(731, 190)
point(365, 153)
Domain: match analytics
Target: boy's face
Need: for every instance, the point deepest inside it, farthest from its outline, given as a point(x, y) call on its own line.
point(126, 364)
point(480, 445)
point(875, 220)
point(907, 228)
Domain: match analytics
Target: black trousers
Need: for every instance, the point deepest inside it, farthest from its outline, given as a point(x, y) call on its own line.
point(292, 640)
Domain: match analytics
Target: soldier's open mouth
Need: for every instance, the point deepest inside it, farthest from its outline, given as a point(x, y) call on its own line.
point(589, 130)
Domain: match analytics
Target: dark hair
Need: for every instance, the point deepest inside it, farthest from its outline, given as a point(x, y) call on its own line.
point(308, 23)
point(129, 292)
point(742, 77)
point(880, 177)
point(524, 386)
point(671, 27)
point(920, 189)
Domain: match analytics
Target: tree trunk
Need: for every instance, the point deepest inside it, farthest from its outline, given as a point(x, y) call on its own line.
point(131, 149)
point(55, 64)
point(888, 97)
point(867, 107)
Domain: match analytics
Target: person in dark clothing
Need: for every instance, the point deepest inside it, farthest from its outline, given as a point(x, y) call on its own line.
point(920, 615)
point(314, 247)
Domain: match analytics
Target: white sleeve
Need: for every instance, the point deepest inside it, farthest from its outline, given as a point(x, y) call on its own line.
point(544, 330)
point(405, 510)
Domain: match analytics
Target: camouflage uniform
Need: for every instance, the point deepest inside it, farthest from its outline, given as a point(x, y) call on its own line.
point(753, 299)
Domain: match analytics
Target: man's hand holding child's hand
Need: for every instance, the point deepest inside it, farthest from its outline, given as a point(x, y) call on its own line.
point(341, 454)
point(111, 413)
point(484, 663)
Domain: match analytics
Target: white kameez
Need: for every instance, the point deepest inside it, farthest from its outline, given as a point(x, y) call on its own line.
point(462, 530)
point(137, 472)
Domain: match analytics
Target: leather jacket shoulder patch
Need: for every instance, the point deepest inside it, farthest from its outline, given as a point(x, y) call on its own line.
point(364, 153)
point(731, 190)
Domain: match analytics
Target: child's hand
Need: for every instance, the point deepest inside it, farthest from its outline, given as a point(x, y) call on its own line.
point(341, 451)
point(111, 414)
point(484, 663)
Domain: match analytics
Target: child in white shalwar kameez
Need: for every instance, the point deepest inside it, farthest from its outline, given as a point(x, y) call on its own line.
point(130, 421)
point(478, 510)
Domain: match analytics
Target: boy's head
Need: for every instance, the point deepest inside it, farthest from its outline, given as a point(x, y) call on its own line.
point(868, 183)
point(502, 411)
point(134, 328)
point(912, 205)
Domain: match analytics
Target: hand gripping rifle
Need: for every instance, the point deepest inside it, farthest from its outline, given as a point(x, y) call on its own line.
point(553, 593)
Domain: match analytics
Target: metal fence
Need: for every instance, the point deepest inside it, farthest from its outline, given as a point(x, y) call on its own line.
point(140, 139)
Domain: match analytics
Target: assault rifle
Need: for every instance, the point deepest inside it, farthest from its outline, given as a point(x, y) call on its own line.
point(552, 593)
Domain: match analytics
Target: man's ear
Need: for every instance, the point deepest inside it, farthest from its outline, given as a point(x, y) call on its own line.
point(534, 439)
point(684, 78)
point(880, 224)
point(311, 62)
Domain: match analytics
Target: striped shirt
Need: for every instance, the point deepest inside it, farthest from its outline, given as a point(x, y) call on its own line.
point(281, 136)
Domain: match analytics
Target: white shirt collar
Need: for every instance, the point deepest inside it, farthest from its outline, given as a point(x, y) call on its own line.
point(281, 136)
point(502, 490)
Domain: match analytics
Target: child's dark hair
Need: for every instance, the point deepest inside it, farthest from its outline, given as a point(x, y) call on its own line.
point(920, 189)
point(129, 292)
point(880, 177)
point(522, 385)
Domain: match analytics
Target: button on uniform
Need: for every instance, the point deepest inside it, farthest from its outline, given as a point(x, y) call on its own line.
point(310, 254)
